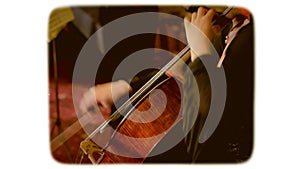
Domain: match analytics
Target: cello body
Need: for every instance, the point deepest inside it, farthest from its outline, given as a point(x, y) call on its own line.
point(152, 118)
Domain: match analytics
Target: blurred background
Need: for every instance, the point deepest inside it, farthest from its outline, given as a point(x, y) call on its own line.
point(69, 29)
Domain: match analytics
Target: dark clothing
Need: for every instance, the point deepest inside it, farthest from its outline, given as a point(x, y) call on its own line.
point(232, 140)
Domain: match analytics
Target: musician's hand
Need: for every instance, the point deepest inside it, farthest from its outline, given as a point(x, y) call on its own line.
point(104, 95)
point(200, 31)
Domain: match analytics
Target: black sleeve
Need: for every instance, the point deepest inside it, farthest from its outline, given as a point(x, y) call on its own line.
point(195, 85)
point(143, 77)
point(232, 140)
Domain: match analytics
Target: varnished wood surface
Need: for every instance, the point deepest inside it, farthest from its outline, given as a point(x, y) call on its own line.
point(138, 135)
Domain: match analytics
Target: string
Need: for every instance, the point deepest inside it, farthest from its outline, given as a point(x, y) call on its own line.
point(122, 109)
point(129, 112)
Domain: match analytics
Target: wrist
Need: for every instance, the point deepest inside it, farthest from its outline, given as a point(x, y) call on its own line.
point(198, 51)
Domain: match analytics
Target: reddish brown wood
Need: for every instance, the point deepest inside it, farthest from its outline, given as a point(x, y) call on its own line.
point(155, 129)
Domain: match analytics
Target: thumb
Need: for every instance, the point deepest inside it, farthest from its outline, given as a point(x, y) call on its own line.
point(105, 110)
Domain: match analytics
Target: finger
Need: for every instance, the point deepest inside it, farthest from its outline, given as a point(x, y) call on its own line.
point(87, 100)
point(201, 12)
point(105, 111)
point(84, 105)
point(194, 16)
point(105, 104)
point(210, 14)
